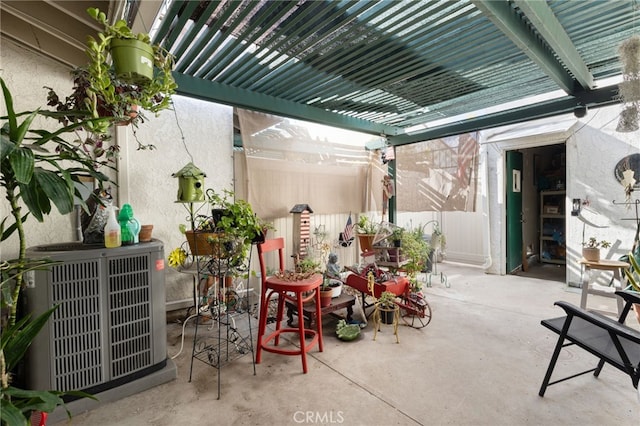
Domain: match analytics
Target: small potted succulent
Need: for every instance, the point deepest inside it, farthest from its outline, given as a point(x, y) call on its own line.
point(386, 305)
point(591, 249)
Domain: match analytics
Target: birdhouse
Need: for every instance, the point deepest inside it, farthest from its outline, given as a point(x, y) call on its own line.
point(190, 183)
point(301, 229)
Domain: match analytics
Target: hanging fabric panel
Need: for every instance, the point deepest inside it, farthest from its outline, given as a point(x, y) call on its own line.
point(289, 162)
point(438, 175)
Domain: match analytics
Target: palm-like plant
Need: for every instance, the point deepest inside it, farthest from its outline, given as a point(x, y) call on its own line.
point(38, 169)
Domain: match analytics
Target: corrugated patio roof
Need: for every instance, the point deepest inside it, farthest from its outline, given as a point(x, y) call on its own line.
point(412, 70)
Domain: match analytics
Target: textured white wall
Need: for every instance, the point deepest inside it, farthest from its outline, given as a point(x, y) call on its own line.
point(25, 73)
point(144, 177)
point(592, 154)
point(593, 149)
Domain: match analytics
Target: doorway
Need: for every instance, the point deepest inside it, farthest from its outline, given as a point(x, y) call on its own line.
point(543, 217)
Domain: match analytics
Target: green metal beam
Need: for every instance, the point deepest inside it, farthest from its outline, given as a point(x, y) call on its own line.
point(504, 17)
point(224, 94)
point(591, 99)
point(546, 23)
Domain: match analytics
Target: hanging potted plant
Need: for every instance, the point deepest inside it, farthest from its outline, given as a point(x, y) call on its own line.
point(100, 91)
point(116, 89)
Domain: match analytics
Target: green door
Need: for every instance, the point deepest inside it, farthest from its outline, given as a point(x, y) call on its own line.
point(514, 210)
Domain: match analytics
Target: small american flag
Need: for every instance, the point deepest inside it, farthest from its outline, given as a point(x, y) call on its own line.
point(347, 234)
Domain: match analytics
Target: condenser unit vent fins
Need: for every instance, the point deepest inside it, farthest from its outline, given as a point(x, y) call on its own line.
point(130, 314)
point(109, 328)
point(76, 325)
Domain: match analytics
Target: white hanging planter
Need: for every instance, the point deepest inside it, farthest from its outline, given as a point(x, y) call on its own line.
point(629, 89)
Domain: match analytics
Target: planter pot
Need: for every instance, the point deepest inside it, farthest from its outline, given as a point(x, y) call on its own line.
point(212, 244)
point(386, 314)
point(145, 233)
point(325, 297)
point(132, 60)
point(591, 254)
point(132, 115)
point(366, 242)
point(336, 288)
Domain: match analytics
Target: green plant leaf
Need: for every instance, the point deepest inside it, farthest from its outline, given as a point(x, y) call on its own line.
point(10, 414)
point(6, 233)
point(8, 101)
point(56, 189)
point(16, 339)
point(22, 162)
point(6, 146)
point(35, 199)
point(29, 400)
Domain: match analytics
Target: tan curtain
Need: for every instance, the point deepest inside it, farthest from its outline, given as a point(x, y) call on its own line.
point(438, 175)
point(288, 164)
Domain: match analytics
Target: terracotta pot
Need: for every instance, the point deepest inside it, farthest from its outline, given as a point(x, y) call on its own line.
point(145, 233)
point(212, 244)
point(366, 242)
point(325, 297)
point(591, 254)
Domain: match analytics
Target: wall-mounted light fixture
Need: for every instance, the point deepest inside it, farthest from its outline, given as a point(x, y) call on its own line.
point(577, 204)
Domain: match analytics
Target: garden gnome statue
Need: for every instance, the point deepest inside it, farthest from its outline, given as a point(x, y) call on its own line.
point(333, 269)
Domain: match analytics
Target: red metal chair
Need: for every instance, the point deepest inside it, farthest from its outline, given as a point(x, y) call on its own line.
point(287, 290)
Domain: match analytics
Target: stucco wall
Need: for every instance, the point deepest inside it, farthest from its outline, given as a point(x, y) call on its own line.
point(593, 151)
point(144, 177)
point(593, 148)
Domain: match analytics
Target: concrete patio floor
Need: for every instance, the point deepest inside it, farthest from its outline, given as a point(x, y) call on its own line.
point(480, 361)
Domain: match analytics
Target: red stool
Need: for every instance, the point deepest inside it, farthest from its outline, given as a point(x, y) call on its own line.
point(287, 290)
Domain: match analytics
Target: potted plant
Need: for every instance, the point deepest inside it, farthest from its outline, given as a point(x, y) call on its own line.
point(396, 236)
point(113, 91)
point(416, 252)
point(591, 249)
point(332, 273)
point(386, 305)
point(226, 233)
point(367, 230)
point(326, 292)
point(38, 168)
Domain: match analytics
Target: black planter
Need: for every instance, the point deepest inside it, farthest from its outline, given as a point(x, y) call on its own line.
point(217, 214)
point(386, 317)
point(259, 239)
